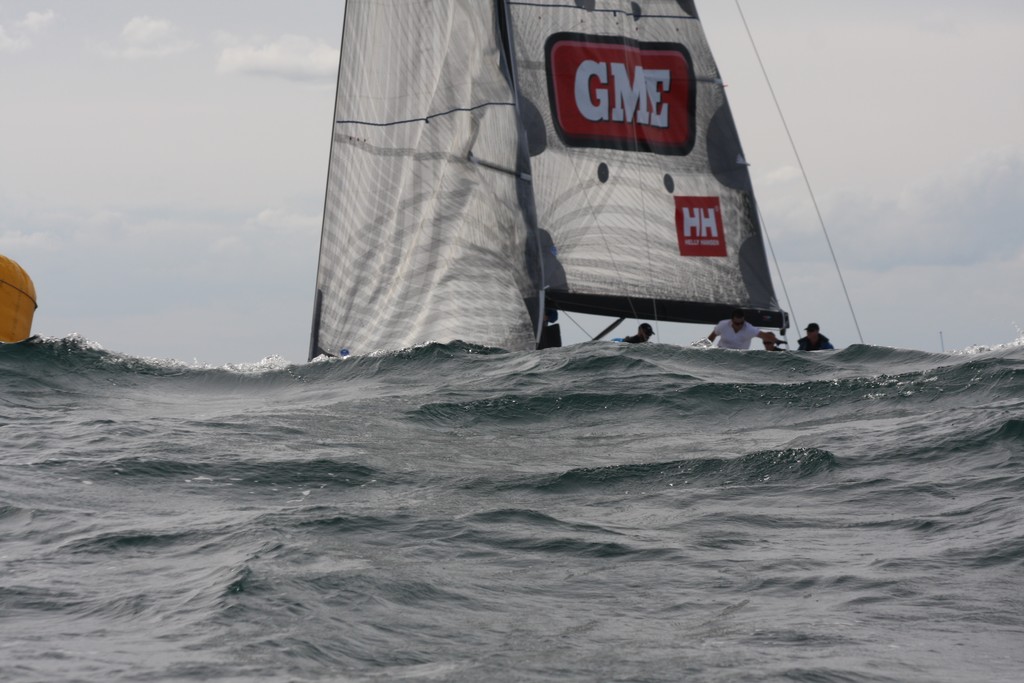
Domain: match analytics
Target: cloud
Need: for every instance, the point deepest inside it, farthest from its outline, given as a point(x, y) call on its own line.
point(291, 57)
point(962, 217)
point(34, 22)
point(38, 241)
point(908, 306)
point(145, 38)
point(781, 175)
point(288, 221)
point(37, 21)
point(12, 44)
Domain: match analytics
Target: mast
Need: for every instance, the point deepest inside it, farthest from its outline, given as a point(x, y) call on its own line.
point(534, 256)
point(314, 334)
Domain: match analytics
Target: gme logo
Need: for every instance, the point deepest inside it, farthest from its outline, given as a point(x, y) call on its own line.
point(623, 94)
point(700, 227)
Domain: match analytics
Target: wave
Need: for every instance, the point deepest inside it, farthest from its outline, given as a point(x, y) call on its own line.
point(759, 468)
point(445, 385)
point(342, 511)
point(75, 350)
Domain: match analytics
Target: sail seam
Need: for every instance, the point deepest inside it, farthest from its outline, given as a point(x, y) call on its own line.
point(548, 5)
point(473, 159)
point(646, 223)
point(604, 236)
point(424, 119)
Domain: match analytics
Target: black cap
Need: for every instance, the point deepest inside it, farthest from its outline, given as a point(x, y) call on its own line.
point(646, 327)
point(813, 327)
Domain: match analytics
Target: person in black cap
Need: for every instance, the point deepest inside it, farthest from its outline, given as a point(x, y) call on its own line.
point(815, 340)
point(643, 333)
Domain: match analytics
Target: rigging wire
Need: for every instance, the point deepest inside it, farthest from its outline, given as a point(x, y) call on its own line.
point(645, 221)
point(778, 271)
point(803, 172)
point(566, 314)
point(604, 237)
point(647, 224)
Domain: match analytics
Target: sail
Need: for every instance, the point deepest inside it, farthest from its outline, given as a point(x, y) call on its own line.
point(492, 159)
point(424, 235)
point(639, 179)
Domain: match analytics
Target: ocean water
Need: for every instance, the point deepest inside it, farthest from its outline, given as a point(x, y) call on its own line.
point(454, 513)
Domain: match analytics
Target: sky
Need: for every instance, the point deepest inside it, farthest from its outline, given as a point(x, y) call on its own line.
point(163, 166)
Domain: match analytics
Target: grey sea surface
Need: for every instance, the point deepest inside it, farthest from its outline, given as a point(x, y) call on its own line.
point(601, 512)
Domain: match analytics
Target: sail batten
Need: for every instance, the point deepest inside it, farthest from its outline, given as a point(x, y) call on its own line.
point(428, 117)
point(635, 11)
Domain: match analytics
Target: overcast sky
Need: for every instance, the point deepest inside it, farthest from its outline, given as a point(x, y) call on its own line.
point(163, 164)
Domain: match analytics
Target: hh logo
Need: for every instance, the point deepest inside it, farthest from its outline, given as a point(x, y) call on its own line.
point(623, 94)
point(700, 226)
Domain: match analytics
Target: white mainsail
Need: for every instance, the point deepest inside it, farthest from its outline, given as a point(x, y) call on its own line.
point(493, 155)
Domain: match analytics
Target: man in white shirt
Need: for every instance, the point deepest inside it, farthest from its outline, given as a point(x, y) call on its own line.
point(737, 333)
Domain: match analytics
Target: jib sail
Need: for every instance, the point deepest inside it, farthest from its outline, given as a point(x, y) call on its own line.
point(424, 237)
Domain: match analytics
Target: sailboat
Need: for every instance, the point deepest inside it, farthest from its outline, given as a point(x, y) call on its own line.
point(495, 161)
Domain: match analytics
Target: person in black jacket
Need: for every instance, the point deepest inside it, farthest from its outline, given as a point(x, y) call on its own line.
point(644, 333)
point(815, 340)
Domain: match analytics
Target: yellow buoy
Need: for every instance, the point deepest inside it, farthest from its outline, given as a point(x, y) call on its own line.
point(17, 302)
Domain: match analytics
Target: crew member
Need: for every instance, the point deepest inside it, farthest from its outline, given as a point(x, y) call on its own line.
point(643, 333)
point(737, 333)
point(815, 340)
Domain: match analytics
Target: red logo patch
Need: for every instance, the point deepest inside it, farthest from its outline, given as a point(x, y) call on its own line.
point(700, 226)
point(622, 94)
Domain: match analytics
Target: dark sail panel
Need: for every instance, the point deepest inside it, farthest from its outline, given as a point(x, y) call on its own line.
point(639, 177)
